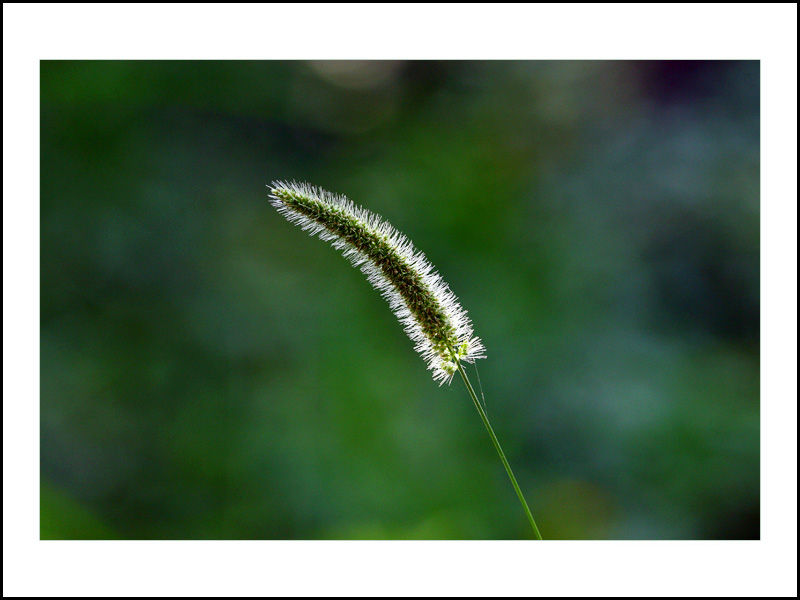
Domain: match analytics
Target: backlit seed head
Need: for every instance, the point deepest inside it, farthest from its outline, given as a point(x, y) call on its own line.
point(429, 312)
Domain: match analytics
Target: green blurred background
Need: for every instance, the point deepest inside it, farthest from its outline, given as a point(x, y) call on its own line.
point(210, 372)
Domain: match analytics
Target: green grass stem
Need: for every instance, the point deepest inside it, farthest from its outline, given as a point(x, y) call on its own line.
point(499, 449)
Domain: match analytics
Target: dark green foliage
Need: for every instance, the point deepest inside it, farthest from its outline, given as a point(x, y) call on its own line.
point(207, 372)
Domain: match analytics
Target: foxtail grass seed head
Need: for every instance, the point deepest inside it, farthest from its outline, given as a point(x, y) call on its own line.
point(421, 300)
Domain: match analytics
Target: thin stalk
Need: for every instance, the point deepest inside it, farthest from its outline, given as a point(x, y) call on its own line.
point(500, 452)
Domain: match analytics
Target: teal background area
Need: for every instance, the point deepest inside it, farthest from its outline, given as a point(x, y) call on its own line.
point(208, 371)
